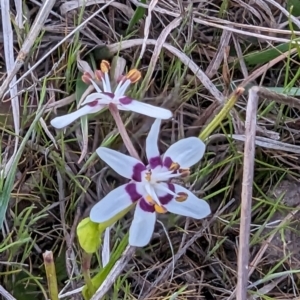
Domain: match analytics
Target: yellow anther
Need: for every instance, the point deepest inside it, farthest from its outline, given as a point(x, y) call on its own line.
point(181, 197)
point(104, 66)
point(133, 75)
point(149, 199)
point(174, 166)
point(159, 209)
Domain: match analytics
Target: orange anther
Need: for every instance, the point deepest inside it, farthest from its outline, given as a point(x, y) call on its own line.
point(160, 209)
point(133, 75)
point(181, 197)
point(149, 199)
point(174, 166)
point(104, 66)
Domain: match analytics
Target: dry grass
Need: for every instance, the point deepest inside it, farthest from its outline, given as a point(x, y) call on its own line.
point(192, 57)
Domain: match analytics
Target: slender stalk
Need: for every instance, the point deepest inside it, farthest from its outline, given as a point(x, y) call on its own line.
point(51, 275)
point(86, 264)
point(123, 132)
point(222, 114)
point(247, 186)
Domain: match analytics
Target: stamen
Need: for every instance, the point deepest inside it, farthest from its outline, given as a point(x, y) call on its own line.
point(160, 209)
point(181, 197)
point(86, 78)
point(184, 172)
point(133, 75)
point(99, 75)
point(174, 166)
point(149, 199)
point(104, 66)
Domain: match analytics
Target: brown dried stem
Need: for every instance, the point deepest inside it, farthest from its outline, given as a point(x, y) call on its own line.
point(122, 130)
point(249, 154)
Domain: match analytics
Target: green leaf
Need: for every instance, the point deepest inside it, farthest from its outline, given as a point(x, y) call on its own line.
point(23, 287)
point(81, 87)
point(138, 14)
point(89, 235)
point(98, 279)
point(10, 179)
point(101, 53)
point(295, 6)
point(262, 57)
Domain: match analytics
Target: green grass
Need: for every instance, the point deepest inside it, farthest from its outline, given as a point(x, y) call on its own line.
point(47, 192)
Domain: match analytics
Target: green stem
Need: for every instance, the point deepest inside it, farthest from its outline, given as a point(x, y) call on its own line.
point(51, 275)
point(221, 115)
point(86, 263)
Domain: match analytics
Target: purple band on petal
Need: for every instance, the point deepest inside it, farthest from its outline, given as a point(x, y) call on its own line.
point(155, 161)
point(167, 198)
point(137, 172)
point(93, 103)
point(125, 100)
point(145, 206)
point(111, 95)
point(167, 162)
point(132, 192)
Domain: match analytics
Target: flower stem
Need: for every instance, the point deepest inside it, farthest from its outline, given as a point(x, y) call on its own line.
point(86, 263)
point(51, 275)
point(123, 132)
point(222, 114)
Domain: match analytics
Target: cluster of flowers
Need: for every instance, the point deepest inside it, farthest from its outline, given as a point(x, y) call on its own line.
point(150, 186)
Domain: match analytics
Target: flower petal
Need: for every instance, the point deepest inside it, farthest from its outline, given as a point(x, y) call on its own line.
point(97, 99)
point(147, 109)
point(185, 152)
point(63, 121)
point(112, 204)
point(124, 165)
point(165, 192)
point(152, 150)
point(191, 207)
point(142, 227)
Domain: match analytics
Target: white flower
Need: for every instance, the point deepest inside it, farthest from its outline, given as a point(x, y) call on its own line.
point(150, 186)
point(97, 101)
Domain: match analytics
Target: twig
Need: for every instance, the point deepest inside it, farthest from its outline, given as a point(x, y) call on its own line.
point(215, 63)
point(247, 186)
point(156, 52)
point(147, 26)
point(268, 143)
point(19, 16)
point(6, 294)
